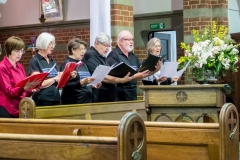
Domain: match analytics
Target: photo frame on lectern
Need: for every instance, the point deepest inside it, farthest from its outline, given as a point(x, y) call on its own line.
point(52, 10)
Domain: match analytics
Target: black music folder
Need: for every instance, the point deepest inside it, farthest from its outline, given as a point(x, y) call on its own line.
point(121, 69)
point(150, 62)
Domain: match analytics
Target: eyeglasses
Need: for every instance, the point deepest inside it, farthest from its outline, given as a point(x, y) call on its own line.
point(19, 51)
point(107, 46)
point(52, 44)
point(82, 49)
point(158, 46)
point(129, 39)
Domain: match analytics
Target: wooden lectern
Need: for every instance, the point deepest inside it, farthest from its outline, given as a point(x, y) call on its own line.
point(185, 103)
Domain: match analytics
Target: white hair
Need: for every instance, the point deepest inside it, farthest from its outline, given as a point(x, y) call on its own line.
point(122, 34)
point(43, 40)
point(103, 38)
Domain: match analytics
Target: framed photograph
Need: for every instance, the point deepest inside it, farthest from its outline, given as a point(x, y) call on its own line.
point(52, 10)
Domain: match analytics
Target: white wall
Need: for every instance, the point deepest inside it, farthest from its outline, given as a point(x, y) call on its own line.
point(24, 12)
point(19, 12)
point(152, 6)
point(76, 9)
point(177, 5)
point(234, 16)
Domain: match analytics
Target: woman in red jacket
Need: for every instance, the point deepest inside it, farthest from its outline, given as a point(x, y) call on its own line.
point(12, 72)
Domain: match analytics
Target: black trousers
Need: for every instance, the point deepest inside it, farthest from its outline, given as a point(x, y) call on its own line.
point(4, 113)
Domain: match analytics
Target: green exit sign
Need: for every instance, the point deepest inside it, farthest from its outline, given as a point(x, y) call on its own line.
point(157, 26)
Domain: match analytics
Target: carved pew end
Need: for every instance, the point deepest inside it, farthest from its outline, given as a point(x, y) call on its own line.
point(77, 132)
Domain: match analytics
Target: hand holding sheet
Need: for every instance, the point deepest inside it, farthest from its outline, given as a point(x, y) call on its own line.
point(169, 69)
point(99, 74)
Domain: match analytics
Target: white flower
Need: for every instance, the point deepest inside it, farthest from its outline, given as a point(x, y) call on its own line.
point(187, 54)
point(226, 62)
point(215, 50)
point(196, 48)
point(197, 65)
point(229, 47)
point(205, 43)
point(224, 47)
point(222, 43)
point(226, 67)
point(202, 60)
point(221, 56)
point(234, 51)
point(215, 39)
point(235, 59)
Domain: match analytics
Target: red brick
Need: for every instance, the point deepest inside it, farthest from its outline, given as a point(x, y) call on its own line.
point(116, 6)
point(185, 3)
point(116, 23)
point(130, 8)
point(125, 13)
point(124, 7)
point(117, 17)
point(130, 13)
point(192, 2)
point(187, 7)
point(115, 12)
point(187, 24)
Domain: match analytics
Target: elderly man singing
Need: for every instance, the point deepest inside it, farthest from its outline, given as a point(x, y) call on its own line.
point(123, 53)
point(96, 56)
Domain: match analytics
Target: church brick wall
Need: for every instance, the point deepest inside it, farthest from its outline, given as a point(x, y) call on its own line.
point(121, 15)
point(121, 18)
point(62, 37)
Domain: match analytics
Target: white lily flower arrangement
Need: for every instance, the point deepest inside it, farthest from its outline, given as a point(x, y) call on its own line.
point(213, 51)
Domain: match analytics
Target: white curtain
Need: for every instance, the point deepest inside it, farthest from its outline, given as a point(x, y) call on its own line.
point(100, 18)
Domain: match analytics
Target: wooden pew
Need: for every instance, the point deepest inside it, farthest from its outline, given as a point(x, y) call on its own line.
point(129, 144)
point(89, 111)
point(139, 97)
point(165, 140)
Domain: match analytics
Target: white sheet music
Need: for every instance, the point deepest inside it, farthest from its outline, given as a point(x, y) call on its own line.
point(169, 69)
point(99, 74)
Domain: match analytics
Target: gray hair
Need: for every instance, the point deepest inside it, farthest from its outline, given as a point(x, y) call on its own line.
point(103, 38)
point(122, 34)
point(151, 44)
point(44, 39)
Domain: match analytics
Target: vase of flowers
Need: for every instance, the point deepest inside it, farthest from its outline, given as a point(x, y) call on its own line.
point(212, 54)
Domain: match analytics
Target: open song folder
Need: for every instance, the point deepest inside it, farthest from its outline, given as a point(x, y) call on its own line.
point(121, 69)
point(150, 62)
point(71, 66)
point(40, 77)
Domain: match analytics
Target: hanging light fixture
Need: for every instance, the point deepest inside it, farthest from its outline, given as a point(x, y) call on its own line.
point(42, 17)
